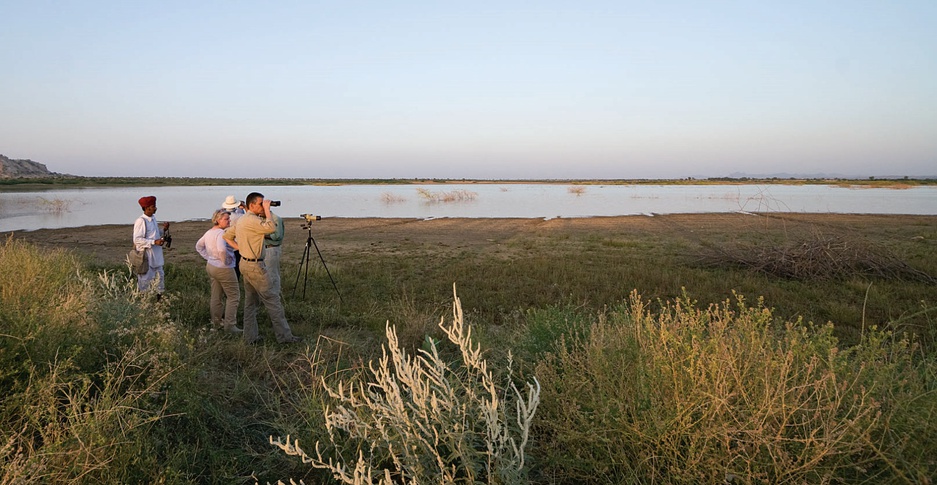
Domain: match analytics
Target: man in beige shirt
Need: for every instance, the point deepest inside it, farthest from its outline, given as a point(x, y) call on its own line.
point(248, 237)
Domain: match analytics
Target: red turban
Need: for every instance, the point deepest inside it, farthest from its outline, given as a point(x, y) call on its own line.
point(147, 201)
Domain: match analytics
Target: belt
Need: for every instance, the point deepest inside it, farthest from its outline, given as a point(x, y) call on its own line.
point(249, 260)
point(272, 246)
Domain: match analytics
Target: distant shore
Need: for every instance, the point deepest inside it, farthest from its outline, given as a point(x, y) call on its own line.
point(63, 181)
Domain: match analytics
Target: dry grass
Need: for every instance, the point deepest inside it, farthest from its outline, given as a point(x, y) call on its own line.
point(820, 257)
point(459, 195)
point(726, 394)
point(389, 198)
point(425, 420)
point(55, 206)
point(83, 381)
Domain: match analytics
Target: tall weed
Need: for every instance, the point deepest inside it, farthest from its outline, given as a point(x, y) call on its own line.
point(726, 393)
point(73, 428)
point(85, 363)
point(425, 420)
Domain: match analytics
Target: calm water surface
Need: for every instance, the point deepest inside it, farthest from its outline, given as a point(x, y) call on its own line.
point(93, 206)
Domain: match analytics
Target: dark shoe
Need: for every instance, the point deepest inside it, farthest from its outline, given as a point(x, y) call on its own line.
point(256, 341)
point(292, 340)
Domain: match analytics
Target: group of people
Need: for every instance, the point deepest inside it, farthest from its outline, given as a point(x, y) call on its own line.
point(243, 244)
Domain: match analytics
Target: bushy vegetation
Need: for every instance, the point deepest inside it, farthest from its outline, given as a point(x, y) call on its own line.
point(103, 384)
point(728, 394)
point(424, 420)
point(84, 366)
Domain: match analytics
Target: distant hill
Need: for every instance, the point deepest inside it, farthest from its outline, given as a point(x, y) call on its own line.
point(10, 168)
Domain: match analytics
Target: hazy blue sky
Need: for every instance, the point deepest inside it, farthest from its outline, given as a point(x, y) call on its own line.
point(505, 89)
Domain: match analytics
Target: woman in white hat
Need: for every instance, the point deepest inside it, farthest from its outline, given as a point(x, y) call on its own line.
point(234, 207)
point(235, 210)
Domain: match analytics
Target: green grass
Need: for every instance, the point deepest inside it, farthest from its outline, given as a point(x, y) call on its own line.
point(692, 394)
point(104, 384)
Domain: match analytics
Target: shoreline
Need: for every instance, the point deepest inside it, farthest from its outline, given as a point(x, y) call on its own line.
point(57, 182)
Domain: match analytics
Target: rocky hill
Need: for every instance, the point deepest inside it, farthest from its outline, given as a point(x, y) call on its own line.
point(10, 168)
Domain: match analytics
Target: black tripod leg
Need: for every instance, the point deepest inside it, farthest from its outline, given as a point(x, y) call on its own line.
point(326, 269)
point(304, 259)
point(306, 275)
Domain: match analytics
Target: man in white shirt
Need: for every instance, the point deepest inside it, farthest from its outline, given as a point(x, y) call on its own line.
point(147, 237)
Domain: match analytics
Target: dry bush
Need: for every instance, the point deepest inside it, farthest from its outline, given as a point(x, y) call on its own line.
point(84, 366)
point(576, 190)
point(726, 395)
point(81, 430)
point(459, 195)
point(819, 257)
point(426, 420)
point(55, 206)
point(390, 198)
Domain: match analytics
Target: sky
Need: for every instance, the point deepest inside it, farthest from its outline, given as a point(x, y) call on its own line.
point(479, 90)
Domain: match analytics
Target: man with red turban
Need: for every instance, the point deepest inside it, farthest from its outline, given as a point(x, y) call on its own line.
point(147, 237)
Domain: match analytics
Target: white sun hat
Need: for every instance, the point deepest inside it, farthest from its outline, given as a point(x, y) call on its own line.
point(230, 202)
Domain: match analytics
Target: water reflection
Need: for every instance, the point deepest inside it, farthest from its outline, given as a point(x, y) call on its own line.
point(93, 206)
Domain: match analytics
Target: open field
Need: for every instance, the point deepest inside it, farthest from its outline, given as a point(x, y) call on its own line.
point(502, 265)
point(642, 381)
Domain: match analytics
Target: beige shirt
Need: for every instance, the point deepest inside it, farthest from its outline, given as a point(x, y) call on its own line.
point(249, 234)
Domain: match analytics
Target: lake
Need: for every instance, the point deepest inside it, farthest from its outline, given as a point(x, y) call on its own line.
point(28, 210)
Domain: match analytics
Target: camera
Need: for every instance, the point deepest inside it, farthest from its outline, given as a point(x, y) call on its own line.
point(167, 238)
point(274, 203)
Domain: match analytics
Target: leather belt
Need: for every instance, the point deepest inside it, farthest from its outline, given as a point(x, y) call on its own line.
point(249, 260)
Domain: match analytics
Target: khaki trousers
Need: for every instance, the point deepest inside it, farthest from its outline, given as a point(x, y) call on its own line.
point(225, 296)
point(257, 288)
point(272, 261)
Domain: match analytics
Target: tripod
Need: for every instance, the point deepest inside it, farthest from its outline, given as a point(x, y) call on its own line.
point(304, 265)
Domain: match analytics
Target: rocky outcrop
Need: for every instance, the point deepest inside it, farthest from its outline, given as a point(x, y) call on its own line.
point(10, 168)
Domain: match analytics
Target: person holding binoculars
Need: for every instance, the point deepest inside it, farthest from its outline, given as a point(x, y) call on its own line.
point(248, 237)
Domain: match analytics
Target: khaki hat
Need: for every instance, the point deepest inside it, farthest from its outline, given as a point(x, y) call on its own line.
point(230, 202)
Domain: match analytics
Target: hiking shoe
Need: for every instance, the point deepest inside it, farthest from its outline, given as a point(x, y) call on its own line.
point(233, 329)
point(292, 340)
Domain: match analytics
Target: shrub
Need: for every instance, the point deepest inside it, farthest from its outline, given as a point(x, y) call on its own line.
point(458, 195)
point(84, 365)
point(723, 394)
point(423, 420)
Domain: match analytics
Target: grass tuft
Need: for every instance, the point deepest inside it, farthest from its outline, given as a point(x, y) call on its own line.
point(689, 395)
point(425, 419)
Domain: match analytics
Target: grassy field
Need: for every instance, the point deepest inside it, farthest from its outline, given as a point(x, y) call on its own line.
point(673, 349)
